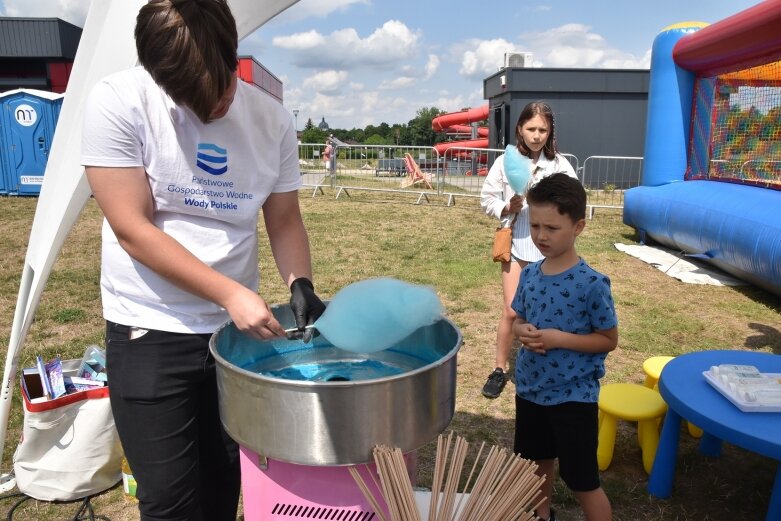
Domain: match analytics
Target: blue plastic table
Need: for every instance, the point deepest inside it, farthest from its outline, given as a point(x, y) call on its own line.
point(691, 397)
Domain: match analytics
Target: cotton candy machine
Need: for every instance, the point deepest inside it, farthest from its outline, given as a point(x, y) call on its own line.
point(302, 413)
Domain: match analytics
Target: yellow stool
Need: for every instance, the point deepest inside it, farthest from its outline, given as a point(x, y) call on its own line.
point(653, 368)
point(630, 402)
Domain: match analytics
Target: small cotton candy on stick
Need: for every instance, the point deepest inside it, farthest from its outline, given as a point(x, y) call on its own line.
point(517, 168)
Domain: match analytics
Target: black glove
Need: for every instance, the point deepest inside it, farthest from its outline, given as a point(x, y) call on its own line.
point(306, 306)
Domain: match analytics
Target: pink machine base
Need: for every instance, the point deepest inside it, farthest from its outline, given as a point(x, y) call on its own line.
point(288, 492)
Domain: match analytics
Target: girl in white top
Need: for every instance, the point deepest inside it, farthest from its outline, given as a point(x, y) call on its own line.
point(536, 139)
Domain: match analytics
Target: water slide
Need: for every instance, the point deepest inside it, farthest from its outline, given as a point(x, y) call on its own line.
point(106, 46)
point(457, 122)
point(734, 225)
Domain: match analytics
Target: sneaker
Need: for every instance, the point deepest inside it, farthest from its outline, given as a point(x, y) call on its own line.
point(495, 384)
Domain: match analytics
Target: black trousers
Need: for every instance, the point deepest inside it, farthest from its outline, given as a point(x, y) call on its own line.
point(163, 393)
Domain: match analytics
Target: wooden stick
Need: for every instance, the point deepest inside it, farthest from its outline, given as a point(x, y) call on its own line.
point(468, 481)
point(367, 493)
point(439, 471)
point(396, 484)
point(481, 484)
point(505, 486)
point(387, 490)
point(517, 493)
point(487, 492)
point(405, 487)
point(451, 484)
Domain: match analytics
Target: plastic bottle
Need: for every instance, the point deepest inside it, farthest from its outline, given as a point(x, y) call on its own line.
point(723, 369)
point(753, 382)
point(745, 379)
point(128, 481)
point(762, 396)
point(93, 364)
point(727, 379)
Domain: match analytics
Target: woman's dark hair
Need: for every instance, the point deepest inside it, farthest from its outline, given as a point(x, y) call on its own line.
point(189, 47)
point(537, 108)
point(564, 192)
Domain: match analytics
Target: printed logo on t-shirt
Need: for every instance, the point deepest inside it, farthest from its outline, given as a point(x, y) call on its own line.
point(212, 159)
point(204, 193)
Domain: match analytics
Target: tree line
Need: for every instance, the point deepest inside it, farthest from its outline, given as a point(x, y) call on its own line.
point(416, 132)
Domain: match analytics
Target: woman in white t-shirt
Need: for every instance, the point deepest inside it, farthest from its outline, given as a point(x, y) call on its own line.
point(181, 157)
point(535, 138)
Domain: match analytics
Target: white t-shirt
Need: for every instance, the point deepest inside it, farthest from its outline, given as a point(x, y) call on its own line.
point(496, 191)
point(208, 182)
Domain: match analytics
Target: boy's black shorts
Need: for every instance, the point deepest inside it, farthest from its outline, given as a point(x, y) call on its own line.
point(567, 431)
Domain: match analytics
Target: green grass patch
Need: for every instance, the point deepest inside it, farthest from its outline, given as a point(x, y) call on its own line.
point(379, 234)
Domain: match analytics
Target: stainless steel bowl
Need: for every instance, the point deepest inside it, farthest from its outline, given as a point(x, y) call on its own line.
point(330, 407)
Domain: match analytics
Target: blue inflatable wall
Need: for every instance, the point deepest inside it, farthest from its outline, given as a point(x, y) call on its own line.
point(735, 227)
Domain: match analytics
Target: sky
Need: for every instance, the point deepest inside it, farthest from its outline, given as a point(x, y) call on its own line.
point(365, 62)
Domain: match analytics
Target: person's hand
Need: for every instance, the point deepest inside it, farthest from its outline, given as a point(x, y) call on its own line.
point(531, 338)
point(306, 306)
point(252, 316)
point(515, 204)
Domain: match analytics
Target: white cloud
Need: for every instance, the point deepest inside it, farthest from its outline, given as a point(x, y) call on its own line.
point(371, 107)
point(73, 11)
point(315, 8)
point(432, 66)
point(401, 82)
point(300, 41)
point(484, 58)
point(358, 108)
point(574, 45)
point(449, 102)
point(566, 46)
point(322, 106)
point(327, 82)
point(388, 45)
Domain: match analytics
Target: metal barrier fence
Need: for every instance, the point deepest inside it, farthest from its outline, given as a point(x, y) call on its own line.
point(459, 172)
point(572, 161)
point(606, 178)
point(463, 171)
point(380, 168)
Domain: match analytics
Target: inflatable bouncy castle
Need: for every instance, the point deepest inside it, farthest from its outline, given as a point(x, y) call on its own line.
point(712, 164)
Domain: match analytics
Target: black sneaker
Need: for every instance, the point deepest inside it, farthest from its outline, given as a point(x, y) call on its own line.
point(495, 384)
point(551, 518)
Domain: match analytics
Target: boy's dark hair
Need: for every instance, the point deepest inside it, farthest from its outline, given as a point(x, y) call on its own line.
point(190, 48)
point(562, 191)
point(542, 109)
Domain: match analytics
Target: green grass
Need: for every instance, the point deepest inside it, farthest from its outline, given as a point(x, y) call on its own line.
point(371, 234)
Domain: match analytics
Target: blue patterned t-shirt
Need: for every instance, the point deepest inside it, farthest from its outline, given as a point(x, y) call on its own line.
point(575, 301)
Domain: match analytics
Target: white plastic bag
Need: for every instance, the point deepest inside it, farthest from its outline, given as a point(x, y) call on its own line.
point(69, 448)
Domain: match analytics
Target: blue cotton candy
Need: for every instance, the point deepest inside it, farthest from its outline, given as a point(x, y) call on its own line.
point(517, 168)
point(374, 314)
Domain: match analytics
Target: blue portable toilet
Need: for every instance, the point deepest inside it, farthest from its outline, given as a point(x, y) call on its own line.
point(3, 189)
point(27, 121)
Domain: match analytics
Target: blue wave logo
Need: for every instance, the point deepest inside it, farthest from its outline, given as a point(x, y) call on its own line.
point(212, 159)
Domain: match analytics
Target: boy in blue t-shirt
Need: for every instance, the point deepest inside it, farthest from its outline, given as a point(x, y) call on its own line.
point(567, 324)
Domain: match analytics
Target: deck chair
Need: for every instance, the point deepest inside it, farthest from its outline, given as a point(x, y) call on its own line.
point(414, 175)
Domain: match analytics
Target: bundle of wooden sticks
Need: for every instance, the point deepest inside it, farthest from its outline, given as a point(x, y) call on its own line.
point(506, 486)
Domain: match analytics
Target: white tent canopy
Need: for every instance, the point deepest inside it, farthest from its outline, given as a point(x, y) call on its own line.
point(106, 46)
